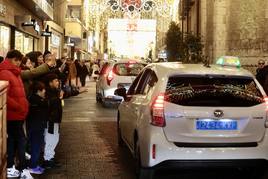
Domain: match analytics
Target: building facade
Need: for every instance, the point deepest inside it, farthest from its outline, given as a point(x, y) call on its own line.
point(20, 26)
point(228, 27)
point(76, 29)
point(23, 23)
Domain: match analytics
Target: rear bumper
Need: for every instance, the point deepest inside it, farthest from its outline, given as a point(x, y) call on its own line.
point(167, 152)
point(185, 164)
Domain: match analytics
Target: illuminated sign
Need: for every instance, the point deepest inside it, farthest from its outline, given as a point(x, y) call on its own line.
point(30, 23)
point(46, 34)
point(55, 40)
point(37, 27)
point(229, 61)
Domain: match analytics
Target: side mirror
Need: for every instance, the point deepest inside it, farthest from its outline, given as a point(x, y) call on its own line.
point(96, 72)
point(121, 92)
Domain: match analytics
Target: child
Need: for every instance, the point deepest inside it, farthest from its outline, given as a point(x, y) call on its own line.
point(54, 96)
point(36, 123)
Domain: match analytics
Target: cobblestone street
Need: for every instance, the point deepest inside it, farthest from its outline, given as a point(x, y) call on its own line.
point(88, 147)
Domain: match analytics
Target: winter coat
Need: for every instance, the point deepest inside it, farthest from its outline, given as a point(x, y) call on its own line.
point(28, 75)
point(38, 113)
point(84, 71)
point(55, 107)
point(17, 104)
point(72, 71)
point(95, 68)
point(262, 77)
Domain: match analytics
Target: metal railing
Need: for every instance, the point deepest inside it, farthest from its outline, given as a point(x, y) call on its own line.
point(74, 19)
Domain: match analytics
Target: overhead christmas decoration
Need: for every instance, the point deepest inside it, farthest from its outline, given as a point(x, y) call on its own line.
point(131, 7)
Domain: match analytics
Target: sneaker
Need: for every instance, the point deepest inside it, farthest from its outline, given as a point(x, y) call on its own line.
point(37, 170)
point(41, 168)
point(26, 174)
point(56, 163)
point(12, 172)
point(49, 164)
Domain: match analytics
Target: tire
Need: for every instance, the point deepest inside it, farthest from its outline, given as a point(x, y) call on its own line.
point(119, 136)
point(146, 173)
point(98, 100)
point(259, 172)
point(141, 173)
point(105, 103)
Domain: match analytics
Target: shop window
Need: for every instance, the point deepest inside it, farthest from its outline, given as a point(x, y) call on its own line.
point(4, 40)
point(24, 42)
point(55, 42)
point(28, 44)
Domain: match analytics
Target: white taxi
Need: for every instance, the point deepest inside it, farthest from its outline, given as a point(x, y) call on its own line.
point(116, 74)
point(191, 115)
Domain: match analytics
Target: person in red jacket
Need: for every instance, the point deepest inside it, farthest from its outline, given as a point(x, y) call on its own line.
point(17, 109)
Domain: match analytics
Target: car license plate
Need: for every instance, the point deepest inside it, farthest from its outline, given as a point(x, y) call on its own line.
point(216, 125)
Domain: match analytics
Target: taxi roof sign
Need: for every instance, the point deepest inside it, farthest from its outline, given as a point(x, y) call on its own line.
point(229, 61)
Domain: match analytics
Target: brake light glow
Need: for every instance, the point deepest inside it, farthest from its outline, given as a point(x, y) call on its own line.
point(132, 61)
point(158, 118)
point(110, 77)
point(266, 102)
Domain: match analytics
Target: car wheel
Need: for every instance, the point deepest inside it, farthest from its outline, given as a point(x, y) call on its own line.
point(119, 136)
point(259, 172)
point(105, 103)
point(141, 173)
point(98, 100)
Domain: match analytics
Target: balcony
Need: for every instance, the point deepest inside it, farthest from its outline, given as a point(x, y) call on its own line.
point(40, 8)
point(74, 28)
point(75, 3)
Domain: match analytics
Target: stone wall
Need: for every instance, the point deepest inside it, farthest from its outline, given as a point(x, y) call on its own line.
point(235, 27)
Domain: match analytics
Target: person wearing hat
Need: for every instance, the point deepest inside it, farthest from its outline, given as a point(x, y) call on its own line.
point(54, 96)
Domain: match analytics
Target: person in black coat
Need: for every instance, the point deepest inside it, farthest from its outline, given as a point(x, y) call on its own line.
point(83, 74)
point(54, 96)
point(36, 123)
point(262, 76)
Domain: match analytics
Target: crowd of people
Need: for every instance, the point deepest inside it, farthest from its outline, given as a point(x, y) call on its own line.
point(37, 85)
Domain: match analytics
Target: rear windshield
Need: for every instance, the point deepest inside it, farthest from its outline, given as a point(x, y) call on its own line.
point(128, 69)
point(213, 91)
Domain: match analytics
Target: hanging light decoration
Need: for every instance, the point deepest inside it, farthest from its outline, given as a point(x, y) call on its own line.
point(131, 7)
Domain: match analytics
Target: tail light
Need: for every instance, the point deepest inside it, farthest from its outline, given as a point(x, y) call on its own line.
point(158, 118)
point(266, 103)
point(110, 77)
point(153, 151)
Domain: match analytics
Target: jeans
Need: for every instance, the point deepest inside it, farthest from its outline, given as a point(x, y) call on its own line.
point(16, 142)
point(36, 139)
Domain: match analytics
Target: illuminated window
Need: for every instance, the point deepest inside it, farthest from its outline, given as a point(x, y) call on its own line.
point(4, 40)
point(23, 42)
